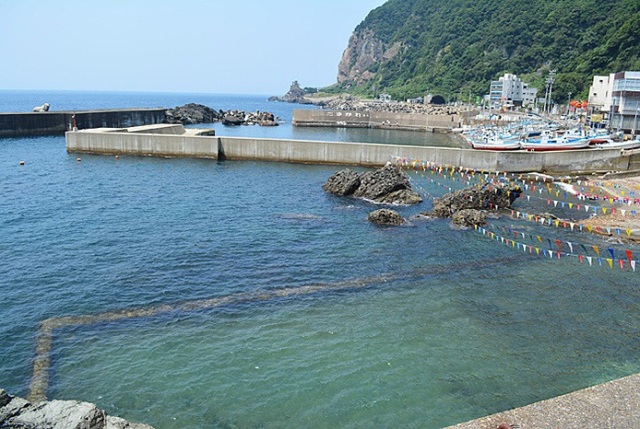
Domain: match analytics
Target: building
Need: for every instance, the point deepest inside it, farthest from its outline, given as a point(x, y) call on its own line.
point(615, 100)
point(510, 91)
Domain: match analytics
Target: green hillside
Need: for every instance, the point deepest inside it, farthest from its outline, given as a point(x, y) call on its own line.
point(456, 47)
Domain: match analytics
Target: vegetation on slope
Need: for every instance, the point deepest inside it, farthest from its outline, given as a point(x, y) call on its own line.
point(457, 47)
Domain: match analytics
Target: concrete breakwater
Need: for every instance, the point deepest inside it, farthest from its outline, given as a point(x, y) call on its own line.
point(39, 123)
point(175, 141)
point(376, 119)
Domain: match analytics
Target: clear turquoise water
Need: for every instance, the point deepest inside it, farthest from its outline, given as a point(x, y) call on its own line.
point(419, 326)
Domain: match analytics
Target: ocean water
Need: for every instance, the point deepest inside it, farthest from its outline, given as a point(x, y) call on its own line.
point(252, 299)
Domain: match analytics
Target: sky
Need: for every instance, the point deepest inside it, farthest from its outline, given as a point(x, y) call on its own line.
point(205, 46)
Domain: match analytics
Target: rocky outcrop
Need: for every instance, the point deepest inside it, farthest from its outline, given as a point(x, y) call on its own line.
point(193, 113)
point(386, 217)
point(18, 413)
point(295, 95)
point(469, 217)
point(489, 196)
point(387, 185)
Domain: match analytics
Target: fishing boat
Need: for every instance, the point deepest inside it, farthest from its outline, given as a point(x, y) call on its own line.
point(495, 142)
point(612, 144)
point(553, 142)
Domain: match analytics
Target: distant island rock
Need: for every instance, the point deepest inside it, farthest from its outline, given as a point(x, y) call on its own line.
point(19, 413)
point(193, 113)
point(387, 185)
point(295, 95)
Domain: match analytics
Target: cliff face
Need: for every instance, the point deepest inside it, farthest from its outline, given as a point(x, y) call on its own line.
point(364, 50)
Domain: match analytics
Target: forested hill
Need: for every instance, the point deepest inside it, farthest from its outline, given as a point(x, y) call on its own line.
point(456, 47)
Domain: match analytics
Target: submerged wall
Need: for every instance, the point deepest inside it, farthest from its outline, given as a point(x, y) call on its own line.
point(181, 144)
point(31, 123)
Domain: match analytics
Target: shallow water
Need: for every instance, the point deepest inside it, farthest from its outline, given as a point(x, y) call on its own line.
point(328, 321)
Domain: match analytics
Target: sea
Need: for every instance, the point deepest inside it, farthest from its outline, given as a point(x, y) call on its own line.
point(190, 293)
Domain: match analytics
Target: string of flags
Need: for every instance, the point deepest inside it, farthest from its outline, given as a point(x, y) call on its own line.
point(598, 260)
point(468, 177)
point(536, 183)
point(573, 226)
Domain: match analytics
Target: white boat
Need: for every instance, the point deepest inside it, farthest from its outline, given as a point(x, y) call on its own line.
point(612, 144)
point(548, 143)
point(496, 143)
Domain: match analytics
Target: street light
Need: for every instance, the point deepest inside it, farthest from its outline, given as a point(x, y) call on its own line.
point(635, 121)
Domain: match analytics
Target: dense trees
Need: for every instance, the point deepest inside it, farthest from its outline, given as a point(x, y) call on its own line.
point(458, 46)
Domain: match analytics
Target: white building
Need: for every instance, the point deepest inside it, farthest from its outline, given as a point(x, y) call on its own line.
point(616, 98)
point(509, 91)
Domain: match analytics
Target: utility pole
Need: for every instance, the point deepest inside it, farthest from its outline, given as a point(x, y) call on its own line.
point(568, 104)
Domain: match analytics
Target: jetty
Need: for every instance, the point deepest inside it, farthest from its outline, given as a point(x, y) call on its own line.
point(165, 140)
point(46, 123)
point(377, 119)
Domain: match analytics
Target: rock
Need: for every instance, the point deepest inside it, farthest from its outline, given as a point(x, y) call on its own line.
point(343, 183)
point(192, 113)
point(61, 415)
point(387, 185)
point(386, 217)
point(232, 120)
point(469, 217)
point(18, 413)
point(384, 186)
point(294, 95)
point(43, 108)
point(488, 197)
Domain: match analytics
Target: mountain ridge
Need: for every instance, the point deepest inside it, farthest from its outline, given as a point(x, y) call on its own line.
point(410, 47)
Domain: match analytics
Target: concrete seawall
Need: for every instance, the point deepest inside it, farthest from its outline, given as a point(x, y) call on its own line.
point(375, 119)
point(30, 123)
point(175, 141)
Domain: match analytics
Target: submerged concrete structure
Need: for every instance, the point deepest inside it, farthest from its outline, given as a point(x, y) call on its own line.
point(176, 141)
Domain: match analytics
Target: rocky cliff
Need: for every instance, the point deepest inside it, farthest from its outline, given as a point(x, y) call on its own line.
point(364, 51)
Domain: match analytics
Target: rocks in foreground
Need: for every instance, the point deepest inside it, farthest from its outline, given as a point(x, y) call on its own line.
point(468, 206)
point(387, 185)
point(386, 217)
point(489, 196)
point(18, 413)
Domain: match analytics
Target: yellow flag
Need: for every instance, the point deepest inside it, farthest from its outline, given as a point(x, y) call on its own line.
point(604, 210)
point(610, 261)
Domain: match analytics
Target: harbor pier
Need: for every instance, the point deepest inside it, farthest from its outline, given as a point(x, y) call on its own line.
point(176, 141)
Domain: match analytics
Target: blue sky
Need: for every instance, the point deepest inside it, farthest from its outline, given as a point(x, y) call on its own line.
point(214, 46)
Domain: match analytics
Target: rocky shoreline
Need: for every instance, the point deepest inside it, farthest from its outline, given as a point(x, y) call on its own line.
point(18, 413)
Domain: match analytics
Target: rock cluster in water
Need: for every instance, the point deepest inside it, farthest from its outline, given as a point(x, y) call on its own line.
point(387, 185)
point(468, 206)
point(19, 413)
point(193, 113)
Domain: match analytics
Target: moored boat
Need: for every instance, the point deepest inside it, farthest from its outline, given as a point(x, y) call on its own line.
point(548, 143)
point(496, 143)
